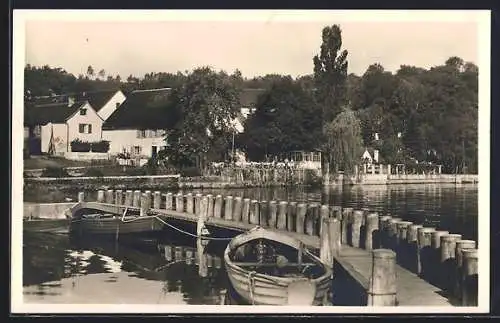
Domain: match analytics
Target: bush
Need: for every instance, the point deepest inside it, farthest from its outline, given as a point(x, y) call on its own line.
point(54, 171)
point(80, 146)
point(190, 172)
point(100, 146)
point(134, 171)
point(93, 172)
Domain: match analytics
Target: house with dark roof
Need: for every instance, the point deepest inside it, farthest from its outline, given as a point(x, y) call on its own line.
point(57, 124)
point(137, 127)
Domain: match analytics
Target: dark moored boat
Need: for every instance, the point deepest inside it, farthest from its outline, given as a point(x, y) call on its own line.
point(46, 225)
point(269, 268)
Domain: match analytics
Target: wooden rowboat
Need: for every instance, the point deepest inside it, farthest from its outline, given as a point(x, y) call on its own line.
point(289, 274)
point(46, 225)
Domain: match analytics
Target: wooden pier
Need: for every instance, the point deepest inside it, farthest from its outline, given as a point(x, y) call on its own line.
point(395, 262)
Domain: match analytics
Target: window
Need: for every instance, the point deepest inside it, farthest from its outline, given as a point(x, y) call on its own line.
point(84, 128)
point(83, 112)
point(137, 150)
point(141, 133)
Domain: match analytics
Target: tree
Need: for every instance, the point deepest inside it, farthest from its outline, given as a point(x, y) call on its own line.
point(343, 141)
point(90, 72)
point(102, 73)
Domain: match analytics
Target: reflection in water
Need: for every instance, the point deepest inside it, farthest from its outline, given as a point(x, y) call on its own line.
point(63, 269)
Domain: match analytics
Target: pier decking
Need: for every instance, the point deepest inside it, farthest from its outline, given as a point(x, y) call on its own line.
point(361, 231)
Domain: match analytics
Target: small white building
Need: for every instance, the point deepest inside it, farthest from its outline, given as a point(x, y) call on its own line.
point(103, 102)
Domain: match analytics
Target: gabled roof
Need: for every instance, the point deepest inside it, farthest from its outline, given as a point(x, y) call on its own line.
point(54, 113)
point(143, 109)
point(97, 99)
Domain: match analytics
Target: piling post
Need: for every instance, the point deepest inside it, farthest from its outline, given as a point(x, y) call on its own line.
point(356, 227)
point(210, 203)
point(118, 197)
point(424, 236)
point(291, 215)
point(300, 218)
point(197, 203)
point(254, 212)
point(412, 238)
point(371, 228)
point(145, 204)
point(311, 219)
point(157, 200)
point(392, 233)
point(137, 198)
point(273, 215)
point(263, 213)
point(470, 277)
point(325, 252)
point(346, 220)
point(169, 201)
point(336, 212)
point(383, 225)
point(168, 253)
point(437, 270)
point(149, 197)
point(245, 211)
point(448, 262)
point(334, 228)
point(324, 213)
point(238, 206)
point(218, 206)
point(129, 196)
point(189, 203)
point(81, 197)
point(109, 196)
point(100, 196)
point(460, 246)
point(382, 285)
point(402, 248)
point(282, 211)
point(228, 208)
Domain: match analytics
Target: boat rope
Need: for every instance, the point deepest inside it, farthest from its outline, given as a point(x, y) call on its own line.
point(251, 285)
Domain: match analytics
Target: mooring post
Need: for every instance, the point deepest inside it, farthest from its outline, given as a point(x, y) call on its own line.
point(470, 277)
point(301, 217)
point(424, 236)
point(189, 203)
point(383, 225)
point(382, 285)
point(157, 200)
point(218, 206)
point(346, 220)
point(263, 213)
point(273, 214)
point(168, 253)
point(81, 197)
point(402, 249)
point(371, 229)
point(460, 246)
point(325, 252)
point(197, 201)
point(202, 216)
point(129, 196)
point(291, 215)
point(254, 212)
point(210, 205)
point(228, 208)
point(310, 219)
point(169, 201)
point(136, 202)
point(118, 197)
point(392, 233)
point(179, 202)
point(336, 212)
point(448, 250)
point(238, 207)
point(109, 196)
point(412, 246)
point(334, 228)
point(245, 211)
point(357, 220)
point(437, 269)
point(282, 210)
point(100, 196)
point(144, 205)
point(324, 213)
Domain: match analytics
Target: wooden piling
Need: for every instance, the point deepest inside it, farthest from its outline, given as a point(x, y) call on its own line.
point(238, 207)
point(169, 201)
point(282, 213)
point(325, 252)
point(245, 211)
point(437, 271)
point(168, 253)
point(228, 208)
point(300, 218)
point(448, 262)
point(346, 220)
point(402, 249)
point(336, 212)
point(197, 203)
point(81, 197)
point(412, 246)
point(218, 206)
point(129, 196)
point(470, 277)
point(157, 200)
point(273, 215)
point(109, 197)
point(100, 196)
point(118, 197)
point(460, 246)
point(291, 215)
point(334, 229)
point(189, 203)
point(263, 213)
point(311, 219)
point(210, 206)
point(324, 213)
point(179, 202)
point(424, 241)
point(137, 198)
point(371, 227)
point(392, 233)
point(382, 286)
point(144, 205)
point(357, 219)
point(254, 212)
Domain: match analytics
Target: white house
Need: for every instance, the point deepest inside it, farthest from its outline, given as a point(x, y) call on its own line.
point(103, 102)
point(370, 158)
point(58, 124)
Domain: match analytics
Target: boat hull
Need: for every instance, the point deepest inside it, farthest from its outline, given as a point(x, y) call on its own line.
point(47, 225)
point(115, 225)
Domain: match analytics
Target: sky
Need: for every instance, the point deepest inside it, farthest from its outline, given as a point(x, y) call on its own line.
point(256, 43)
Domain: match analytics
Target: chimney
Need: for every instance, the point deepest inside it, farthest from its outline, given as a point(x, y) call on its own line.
point(71, 101)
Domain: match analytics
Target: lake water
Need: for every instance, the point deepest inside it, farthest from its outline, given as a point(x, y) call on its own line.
point(165, 270)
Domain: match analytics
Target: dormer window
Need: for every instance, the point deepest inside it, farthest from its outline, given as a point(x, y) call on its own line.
point(83, 112)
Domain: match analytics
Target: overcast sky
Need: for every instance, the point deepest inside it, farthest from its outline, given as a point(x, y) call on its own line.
point(256, 44)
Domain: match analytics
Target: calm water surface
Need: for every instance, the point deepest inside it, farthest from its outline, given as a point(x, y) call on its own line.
point(63, 269)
